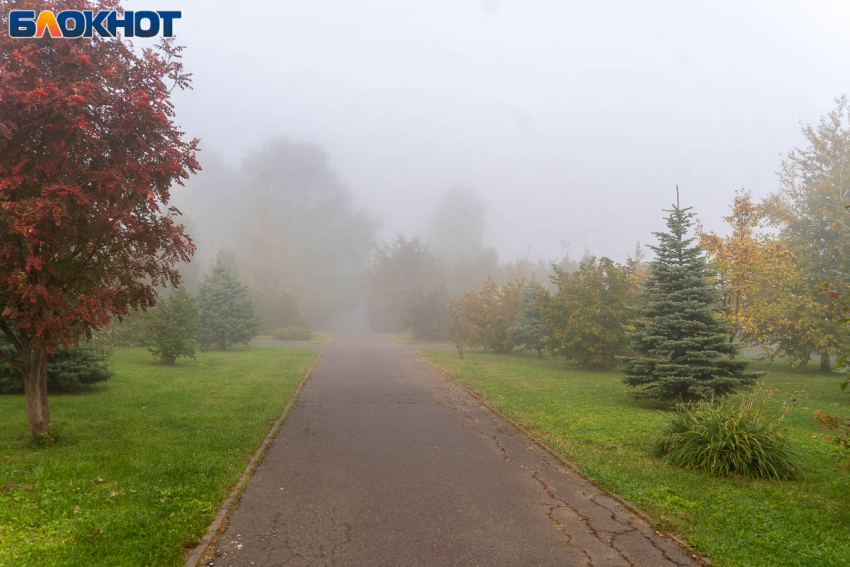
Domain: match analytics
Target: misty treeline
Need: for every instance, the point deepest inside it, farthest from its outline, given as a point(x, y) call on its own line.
point(287, 228)
point(311, 257)
point(779, 279)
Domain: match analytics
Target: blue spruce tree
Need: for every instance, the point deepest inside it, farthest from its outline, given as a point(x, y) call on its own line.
point(683, 349)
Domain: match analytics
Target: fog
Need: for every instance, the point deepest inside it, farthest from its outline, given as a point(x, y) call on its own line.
point(569, 124)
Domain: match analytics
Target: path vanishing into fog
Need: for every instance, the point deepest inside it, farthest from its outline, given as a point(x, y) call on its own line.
point(384, 461)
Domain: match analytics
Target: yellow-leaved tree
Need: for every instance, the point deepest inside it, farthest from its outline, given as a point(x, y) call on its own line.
point(757, 277)
point(809, 213)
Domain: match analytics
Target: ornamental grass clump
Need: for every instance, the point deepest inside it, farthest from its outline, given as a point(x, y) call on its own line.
point(731, 436)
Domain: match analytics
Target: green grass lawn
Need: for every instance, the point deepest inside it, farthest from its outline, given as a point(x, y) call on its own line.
point(591, 419)
point(318, 337)
point(143, 462)
point(409, 339)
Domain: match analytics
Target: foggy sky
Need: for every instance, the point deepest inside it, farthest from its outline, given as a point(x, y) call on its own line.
point(574, 121)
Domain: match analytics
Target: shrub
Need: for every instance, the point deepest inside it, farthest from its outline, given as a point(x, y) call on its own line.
point(427, 314)
point(66, 371)
point(729, 437)
point(172, 328)
point(586, 319)
point(277, 308)
point(487, 314)
point(293, 333)
point(129, 331)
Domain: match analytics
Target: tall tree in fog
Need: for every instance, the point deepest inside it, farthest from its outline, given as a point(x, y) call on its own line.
point(456, 231)
point(329, 236)
point(398, 269)
point(291, 226)
point(809, 210)
point(210, 202)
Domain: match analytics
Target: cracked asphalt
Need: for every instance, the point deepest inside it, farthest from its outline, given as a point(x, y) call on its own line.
point(384, 461)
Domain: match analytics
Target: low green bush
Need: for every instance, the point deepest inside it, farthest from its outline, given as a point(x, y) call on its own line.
point(292, 333)
point(727, 437)
point(66, 371)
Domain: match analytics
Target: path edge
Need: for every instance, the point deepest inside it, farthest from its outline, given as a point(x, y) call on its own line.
point(566, 464)
point(197, 553)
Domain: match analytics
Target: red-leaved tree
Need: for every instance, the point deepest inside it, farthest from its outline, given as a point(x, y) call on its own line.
point(88, 153)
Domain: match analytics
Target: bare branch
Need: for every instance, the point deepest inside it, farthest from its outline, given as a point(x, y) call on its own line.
point(10, 360)
point(4, 326)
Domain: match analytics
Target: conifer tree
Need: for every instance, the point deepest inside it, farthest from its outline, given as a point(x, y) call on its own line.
point(528, 330)
point(226, 314)
point(172, 327)
point(682, 348)
point(82, 365)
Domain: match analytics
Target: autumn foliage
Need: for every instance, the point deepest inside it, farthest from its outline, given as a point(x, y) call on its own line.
point(587, 318)
point(756, 275)
point(809, 212)
point(88, 153)
point(482, 318)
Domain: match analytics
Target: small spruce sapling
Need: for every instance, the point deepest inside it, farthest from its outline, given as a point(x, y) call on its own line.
point(226, 314)
point(171, 328)
point(529, 329)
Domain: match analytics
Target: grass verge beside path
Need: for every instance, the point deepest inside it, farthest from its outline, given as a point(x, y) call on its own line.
point(590, 419)
point(143, 462)
point(316, 338)
point(409, 339)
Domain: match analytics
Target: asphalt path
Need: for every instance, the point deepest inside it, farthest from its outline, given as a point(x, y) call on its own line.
point(385, 461)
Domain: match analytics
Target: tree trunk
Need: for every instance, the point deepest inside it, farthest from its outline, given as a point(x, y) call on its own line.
point(35, 390)
point(540, 354)
point(824, 362)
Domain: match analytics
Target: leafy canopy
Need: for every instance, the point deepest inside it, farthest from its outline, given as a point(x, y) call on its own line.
point(88, 154)
point(757, 276)
point(587, 317)
point(809, 212)
point(482, 318)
